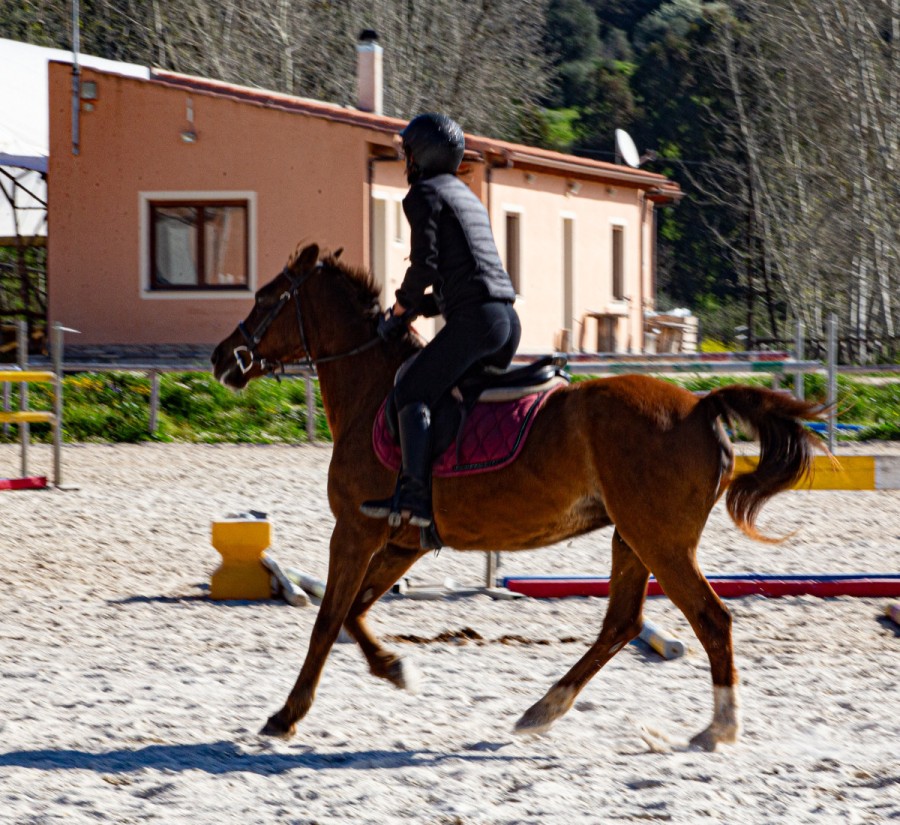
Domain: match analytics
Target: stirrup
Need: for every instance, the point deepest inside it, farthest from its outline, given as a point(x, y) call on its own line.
point(429, 538)
point(395, 512)
point(399, 514)
point(420, 520)
point(410, 503)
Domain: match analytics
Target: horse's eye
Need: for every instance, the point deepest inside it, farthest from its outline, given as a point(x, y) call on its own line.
point(264, 301)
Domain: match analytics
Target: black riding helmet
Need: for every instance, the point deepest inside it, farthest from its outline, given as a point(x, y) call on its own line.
point(434, 145)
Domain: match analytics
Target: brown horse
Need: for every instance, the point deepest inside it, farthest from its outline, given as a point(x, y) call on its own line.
point(630, 451)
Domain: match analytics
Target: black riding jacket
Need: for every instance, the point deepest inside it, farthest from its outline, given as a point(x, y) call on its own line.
point(452, 250)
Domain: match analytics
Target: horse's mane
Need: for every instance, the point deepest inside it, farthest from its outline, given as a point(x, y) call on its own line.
point(359, 282)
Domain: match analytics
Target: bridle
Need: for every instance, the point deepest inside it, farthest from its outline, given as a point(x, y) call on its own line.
point(245, 355)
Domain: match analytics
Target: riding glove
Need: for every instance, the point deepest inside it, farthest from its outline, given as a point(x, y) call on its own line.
point(392, 326)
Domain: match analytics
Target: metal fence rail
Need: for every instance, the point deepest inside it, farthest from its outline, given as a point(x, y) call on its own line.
point(778, 364)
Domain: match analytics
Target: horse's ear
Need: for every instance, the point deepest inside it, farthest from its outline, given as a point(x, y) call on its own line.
point(337, 252)
point(307, 259)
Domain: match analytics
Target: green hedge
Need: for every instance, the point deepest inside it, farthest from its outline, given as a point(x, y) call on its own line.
point(194, 407)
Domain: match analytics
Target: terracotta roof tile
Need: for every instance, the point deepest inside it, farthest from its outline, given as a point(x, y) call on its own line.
point(661, 189)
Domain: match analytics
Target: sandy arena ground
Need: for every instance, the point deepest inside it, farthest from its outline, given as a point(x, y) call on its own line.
point(128, 696)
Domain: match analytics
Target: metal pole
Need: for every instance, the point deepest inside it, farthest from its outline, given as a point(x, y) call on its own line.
point(831, 397)
point(310, 409)
point(57, 345)
point(799, 352)
point(490, 570)
point(76, 79)
point(24, 427)
point(6, 400)
point(154, 402)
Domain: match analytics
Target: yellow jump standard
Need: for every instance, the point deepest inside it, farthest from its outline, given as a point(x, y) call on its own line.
point(852, 472)
point(241, 542)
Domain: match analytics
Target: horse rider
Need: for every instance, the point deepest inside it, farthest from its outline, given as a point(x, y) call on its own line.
point(452, 250)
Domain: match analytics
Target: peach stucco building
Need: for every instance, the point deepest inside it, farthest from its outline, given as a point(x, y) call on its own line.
point(184, 195)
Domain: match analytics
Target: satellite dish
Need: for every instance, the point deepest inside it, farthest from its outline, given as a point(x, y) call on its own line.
point(626, 150)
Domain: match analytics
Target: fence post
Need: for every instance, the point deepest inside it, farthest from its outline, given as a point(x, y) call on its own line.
point(310, 409)
point(57, 348)
point(490, 569)
point(154, 402)
point(24, 428)
point(6, 401)
point(831, 397)
point(799, 352)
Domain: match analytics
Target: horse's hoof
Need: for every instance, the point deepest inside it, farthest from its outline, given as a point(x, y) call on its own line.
point(709, 739)
point(532, 722)
point(704, 741)
point(275, 727)
point(541, 715)
point(405, 675)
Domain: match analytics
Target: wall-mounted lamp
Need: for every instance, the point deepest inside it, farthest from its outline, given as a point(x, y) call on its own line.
point(87, 91)
point(573, 187)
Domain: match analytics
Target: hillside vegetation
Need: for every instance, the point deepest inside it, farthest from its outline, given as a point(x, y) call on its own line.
point(779, 118)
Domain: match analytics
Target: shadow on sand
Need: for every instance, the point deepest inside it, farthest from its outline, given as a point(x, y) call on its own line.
point(227, 757)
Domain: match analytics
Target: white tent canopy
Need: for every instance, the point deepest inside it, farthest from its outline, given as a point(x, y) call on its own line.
point(24, 130)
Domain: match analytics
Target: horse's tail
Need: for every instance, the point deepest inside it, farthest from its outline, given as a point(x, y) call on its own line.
point(786, 447)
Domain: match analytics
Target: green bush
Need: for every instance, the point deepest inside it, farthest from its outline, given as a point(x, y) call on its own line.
point(196, 407)
point(115, 407)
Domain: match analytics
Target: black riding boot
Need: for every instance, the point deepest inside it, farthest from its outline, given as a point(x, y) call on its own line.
point(412, 496)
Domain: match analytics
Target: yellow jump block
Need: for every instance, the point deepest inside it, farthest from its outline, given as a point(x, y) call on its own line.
point(855, 472)
point(27, 417)
point(31, 376)
point(241, 543)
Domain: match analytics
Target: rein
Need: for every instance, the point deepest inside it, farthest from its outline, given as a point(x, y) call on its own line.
point(246, 355)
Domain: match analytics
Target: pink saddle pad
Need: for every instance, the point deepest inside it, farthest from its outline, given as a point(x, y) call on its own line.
point(492, 437)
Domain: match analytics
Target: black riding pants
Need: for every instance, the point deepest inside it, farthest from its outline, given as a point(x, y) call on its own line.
point(479, 335)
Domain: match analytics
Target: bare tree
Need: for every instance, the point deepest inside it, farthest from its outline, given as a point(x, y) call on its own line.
point(479, 60)
point(815, 88)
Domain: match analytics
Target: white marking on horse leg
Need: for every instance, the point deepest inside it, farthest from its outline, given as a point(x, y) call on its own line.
point(541, 715)
point(405, 675)
point(727, 712)
point(726, 722)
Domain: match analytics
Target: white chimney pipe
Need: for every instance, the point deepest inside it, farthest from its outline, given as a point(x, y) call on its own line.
point(370, 76)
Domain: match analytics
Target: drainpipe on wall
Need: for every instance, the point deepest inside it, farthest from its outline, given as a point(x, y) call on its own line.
point(76, 79)
point(369, 73)
point(370, 179)
point(642, 200)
